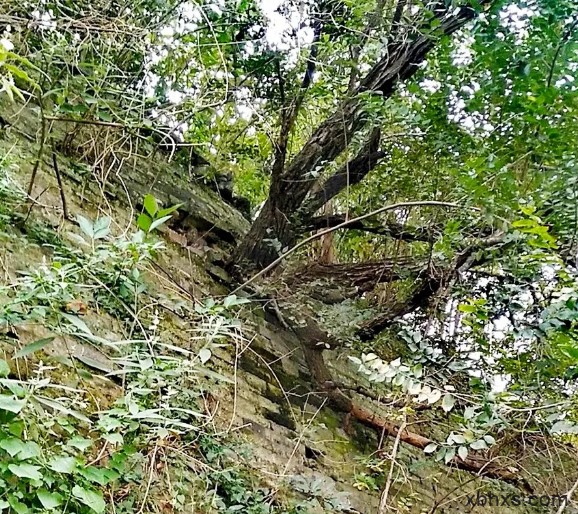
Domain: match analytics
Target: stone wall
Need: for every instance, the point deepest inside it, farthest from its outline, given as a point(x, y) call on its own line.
point(272, 403)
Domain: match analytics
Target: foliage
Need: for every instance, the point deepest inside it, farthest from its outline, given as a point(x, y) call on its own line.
point(62, 451)
point(483, 119)
point(11, 69)
point(153, 217)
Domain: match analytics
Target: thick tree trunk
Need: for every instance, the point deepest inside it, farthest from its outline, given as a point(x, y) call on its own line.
point(276, 227)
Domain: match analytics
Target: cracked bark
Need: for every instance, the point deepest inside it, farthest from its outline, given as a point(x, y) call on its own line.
point(275, 225)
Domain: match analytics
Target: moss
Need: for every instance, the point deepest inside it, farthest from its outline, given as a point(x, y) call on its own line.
point(284, 418)
point(331, 419)
point(362, 438)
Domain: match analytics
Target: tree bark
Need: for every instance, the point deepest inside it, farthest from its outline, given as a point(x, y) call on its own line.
point(363, 276)
point(290, 188)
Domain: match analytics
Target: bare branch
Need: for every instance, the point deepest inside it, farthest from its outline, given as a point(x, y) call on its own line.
point(387, 228)
point(436, 282)
point(363, 276)
point(289, 113)
point(395, 22)
point(349, 174)
point(306, 241)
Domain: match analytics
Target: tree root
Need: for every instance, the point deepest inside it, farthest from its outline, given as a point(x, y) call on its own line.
point(478, 464)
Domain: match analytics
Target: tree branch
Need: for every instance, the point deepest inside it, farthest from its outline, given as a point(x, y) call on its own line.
point(349, 174)
point(306, 241)
point(313, 345)
point(291, 184)
point(565, 38)
point(388, 228)
point(363, 276)
point(435, 283)
point(289, 114)
point(426, 288)
point(395, 22)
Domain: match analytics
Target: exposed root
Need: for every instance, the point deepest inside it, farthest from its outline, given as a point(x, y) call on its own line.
point(479, 464)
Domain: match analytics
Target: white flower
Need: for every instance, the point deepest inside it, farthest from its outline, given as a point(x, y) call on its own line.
point(7, 44)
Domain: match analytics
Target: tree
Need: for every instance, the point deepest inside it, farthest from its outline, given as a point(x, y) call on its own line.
point(290, 207)
point(433, 141)
point(319, 173)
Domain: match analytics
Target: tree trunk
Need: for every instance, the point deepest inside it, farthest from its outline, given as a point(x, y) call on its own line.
point(276, 227)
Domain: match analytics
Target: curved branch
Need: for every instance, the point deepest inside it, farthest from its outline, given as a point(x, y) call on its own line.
point(387, 228)
point(306, 241)
point(565, 38)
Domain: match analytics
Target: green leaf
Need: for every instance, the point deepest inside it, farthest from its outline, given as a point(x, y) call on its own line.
point(77, 323)
point(24, 450)
point(80, 443)
point(440, 453)
point(4, 368)
point(150, 205)
point(101, 476)
point(49, 500)
point(524, 224)
point(29, 451)
point(448, 402)
point(85, 225)
point(105, 116)
point(458, 438)
point(434, 396)
point(17, 506)
point(463, 452)
point(233, 300)
point(94, 363)
point(430, 448)
point(11, 403)
point(7, 88)
point(570, 351)
point(12, 445)
point(169, 210)
point(144, 222)
point(101, 227)
point(26, 471)
point(480, 444)
point(56, 405)
point(33, 347)
point(113, 438)
point(205, 355)
point(63, 464)
point(158, 222)
point(17, 72)
point(489, 439)
point(91, 499)
point(450, 454)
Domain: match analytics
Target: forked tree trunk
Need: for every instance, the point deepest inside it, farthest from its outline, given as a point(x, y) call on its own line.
point(280, 223)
